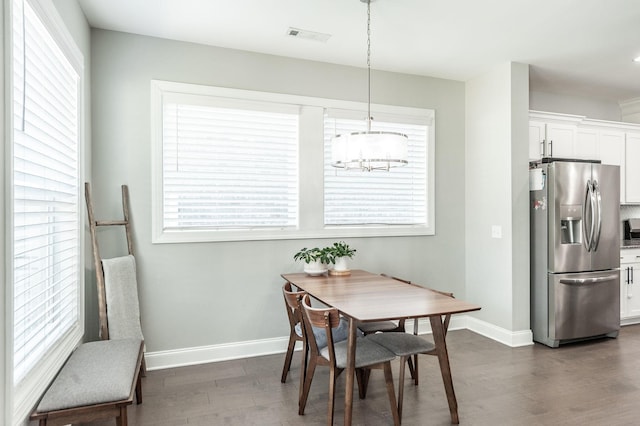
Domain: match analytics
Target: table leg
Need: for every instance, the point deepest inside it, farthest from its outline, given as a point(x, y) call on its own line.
point(351, 364)
point(445, 369)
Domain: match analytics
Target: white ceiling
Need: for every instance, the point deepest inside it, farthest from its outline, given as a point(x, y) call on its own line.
point(577, 47)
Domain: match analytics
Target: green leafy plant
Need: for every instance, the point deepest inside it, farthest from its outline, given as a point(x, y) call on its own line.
point(313, 254)
point(339, 249)
point(325, 255)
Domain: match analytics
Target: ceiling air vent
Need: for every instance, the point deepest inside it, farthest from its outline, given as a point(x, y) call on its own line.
point(308, 35)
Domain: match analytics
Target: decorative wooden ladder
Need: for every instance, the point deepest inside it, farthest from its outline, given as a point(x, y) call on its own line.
point(97, 260)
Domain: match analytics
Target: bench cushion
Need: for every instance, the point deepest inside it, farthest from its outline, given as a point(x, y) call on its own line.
point(96, 372)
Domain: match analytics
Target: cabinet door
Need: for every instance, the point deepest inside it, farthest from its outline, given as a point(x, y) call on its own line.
point(632, 172)
point(560, 140)
point(586, 147)
point(624, 271)
point(536, 140)
point(633, 292)
point(612, 151)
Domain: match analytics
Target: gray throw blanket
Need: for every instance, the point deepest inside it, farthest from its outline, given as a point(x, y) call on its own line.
point(121, 287)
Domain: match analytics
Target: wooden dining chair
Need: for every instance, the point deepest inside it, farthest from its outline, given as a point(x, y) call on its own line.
point(405, 346)
point(387, 326)
point(292, 304)
point(369, 355)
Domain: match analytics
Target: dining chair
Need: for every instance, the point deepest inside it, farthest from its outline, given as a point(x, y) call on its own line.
point(403, 345)
point(369, 355)
point(291, 303)
point(388, 326)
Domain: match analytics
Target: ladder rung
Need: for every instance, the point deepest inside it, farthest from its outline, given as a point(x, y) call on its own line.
point(111, 222)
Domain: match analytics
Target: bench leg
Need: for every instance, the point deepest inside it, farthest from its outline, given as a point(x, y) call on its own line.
point(121, 420)
point(43, 422)
point(139, 390)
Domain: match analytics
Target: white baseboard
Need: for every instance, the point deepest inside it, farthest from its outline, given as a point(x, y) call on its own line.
point(510, 338)
point(214, 353)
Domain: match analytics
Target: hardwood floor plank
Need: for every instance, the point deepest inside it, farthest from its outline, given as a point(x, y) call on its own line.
point(588, 383)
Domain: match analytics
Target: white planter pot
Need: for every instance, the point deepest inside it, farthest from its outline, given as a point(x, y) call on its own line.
point(315, 268)
point(342, 264)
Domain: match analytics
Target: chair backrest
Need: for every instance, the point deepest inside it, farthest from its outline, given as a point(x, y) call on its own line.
point(326, 318)
point(292, 304)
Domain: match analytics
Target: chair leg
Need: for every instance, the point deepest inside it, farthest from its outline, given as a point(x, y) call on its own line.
point(403, 359)
point(411, 368)
point(287, 358)
point(332, 396)
point(303, 369)
point(307, 385)
point(415, 369)
point(359, 379)
point(366, 374)
point(388, 378)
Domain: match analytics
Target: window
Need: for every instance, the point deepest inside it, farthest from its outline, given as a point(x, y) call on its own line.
point(240, 165)
point(229, 165)
point(356, 198)
point(47, 269)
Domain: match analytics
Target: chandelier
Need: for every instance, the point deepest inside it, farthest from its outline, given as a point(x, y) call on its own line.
point(370, 150)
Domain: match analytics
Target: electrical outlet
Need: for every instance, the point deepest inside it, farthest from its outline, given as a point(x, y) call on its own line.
point(496, 231)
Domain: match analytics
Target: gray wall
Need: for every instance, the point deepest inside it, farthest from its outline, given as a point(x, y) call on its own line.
point(598, 109)
point(212, 293)
point(496, 188)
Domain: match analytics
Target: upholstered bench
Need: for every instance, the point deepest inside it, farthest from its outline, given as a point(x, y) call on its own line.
point(97, 381)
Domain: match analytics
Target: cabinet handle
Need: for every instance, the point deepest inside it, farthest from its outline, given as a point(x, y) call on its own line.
point(631, 268)
point(542, 148)
point(551, 148)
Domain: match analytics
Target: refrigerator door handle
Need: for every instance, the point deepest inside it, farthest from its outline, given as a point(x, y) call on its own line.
point(588, 223)
point(578, 281)
point(598, 204)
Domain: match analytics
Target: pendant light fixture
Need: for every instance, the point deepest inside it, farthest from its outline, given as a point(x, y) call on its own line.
point(370, 150)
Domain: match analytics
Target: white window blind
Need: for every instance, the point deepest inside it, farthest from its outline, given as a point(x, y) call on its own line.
point(238, 165)
point(229, 165)
point(396, 197)
point(46, 241)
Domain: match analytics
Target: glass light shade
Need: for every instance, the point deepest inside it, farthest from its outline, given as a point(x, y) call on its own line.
point(369, 150)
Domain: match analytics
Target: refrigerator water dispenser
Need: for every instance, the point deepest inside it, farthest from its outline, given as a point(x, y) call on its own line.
point(571, 224)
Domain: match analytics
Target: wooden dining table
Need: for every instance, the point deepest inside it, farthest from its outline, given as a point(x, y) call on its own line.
point(363, 296)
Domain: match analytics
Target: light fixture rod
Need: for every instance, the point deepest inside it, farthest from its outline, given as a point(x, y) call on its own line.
point(369, 150)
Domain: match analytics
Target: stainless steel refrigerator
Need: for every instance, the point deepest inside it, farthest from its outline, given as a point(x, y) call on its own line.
point(575, 250)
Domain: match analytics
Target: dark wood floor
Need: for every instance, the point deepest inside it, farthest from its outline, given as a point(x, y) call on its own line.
point(592, 383)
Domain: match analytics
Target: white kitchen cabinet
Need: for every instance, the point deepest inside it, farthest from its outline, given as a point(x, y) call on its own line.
point(587, 145)
point(578, 137)
point(551, 140)
point(612, 151)
point(630, 286)
point(632, 171)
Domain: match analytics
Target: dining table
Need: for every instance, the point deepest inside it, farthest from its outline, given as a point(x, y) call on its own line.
point(362, 296)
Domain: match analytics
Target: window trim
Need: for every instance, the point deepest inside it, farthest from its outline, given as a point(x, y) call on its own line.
point(310, 222)
point(23, 396)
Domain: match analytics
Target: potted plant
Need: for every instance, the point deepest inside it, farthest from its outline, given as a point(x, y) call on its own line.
point(339, 254)
point(315, 260)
